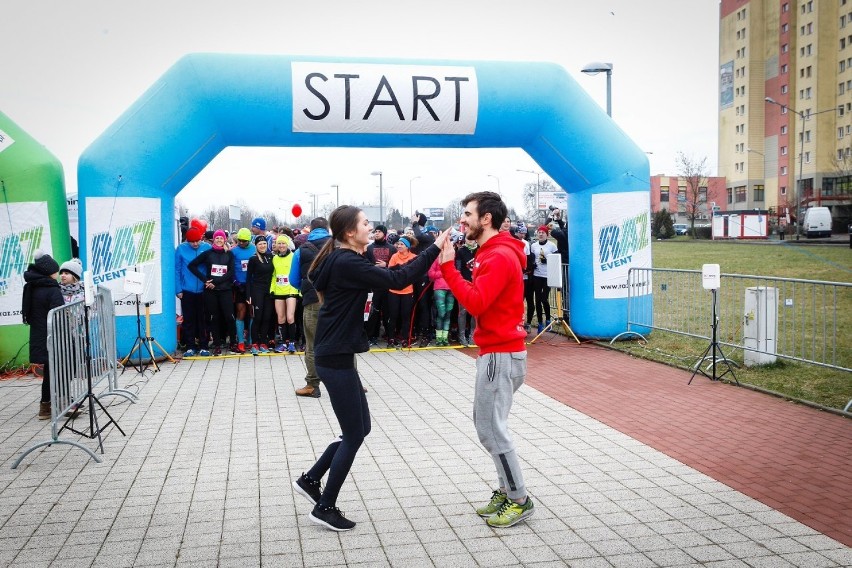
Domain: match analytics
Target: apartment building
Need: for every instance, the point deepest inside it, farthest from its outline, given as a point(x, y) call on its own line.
point(785, 105)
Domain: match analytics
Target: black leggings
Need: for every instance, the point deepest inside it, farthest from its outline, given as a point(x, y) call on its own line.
point(542, 300)
point(399, 314)
point(220, 310)
point(350, 406)
point(263, 303)
point(530, 298)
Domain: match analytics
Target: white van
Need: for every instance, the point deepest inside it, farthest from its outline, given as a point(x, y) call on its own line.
point(817, 222)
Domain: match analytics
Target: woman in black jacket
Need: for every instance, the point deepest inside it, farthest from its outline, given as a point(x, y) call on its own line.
point(218, 289)
point(343, 277)
point(41, 294)
point(258, 284)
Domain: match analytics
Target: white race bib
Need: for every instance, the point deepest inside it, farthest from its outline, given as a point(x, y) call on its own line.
point(282, 280)
point(218, 269)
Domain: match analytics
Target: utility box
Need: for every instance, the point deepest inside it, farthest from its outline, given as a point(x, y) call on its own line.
point(760, 325)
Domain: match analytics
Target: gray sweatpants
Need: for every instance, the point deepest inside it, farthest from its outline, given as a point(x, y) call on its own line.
point(498, 376)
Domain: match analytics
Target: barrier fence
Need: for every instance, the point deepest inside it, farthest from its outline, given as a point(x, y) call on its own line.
point(70, 361)
point(766, 317)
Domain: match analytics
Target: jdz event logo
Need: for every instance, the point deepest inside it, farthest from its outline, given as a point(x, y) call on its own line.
point(618, 243)
point(130, 245)
point(16, 253)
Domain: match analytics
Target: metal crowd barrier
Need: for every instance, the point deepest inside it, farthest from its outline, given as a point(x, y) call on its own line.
point(766, 317)
point(67, 356)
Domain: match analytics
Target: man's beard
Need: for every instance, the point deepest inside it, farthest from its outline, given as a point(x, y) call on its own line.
point(474, 234)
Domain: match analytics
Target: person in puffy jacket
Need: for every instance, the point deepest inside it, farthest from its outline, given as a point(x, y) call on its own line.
point(41, 294)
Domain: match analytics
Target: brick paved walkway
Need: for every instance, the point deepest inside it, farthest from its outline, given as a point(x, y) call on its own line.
point(793, 458)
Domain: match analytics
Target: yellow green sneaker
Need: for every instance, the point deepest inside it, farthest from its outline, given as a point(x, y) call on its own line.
point(511, 513)
point(493, 506)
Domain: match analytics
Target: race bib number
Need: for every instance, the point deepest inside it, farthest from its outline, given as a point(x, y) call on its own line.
point(368, 306)
point(244, 265)
point(282, 280)
point(218, 269)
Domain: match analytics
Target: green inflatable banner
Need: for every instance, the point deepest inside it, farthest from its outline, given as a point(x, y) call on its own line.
point(33, 215)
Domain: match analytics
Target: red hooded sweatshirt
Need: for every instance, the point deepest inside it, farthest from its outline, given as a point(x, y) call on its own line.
point(496, 295)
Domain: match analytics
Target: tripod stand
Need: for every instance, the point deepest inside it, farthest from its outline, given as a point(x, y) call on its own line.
point(713, 350)
point(144, 341)
point(557, 320)
point(94, 428)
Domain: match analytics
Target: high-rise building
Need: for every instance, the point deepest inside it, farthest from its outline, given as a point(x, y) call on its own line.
point(785, 105)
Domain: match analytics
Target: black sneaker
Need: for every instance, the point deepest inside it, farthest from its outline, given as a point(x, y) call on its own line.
point(330, 518)
point(309, 488)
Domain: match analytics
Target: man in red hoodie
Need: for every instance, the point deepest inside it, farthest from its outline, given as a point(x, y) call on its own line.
point(495, 298)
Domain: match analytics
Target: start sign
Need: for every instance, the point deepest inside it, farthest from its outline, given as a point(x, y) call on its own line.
point(384, 99)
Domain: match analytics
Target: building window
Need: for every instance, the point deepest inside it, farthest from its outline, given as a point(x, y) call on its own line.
point(783, 190)
point(758, 193)
point(784, 29)
point(841, 88)
point(807, 157)
point(783, 91)
point(783, 129)
point(702, 194)
point(840, 132)
point(664, 193)
point(741, 193)
point(784, 69)
point(730, 195)
point(785, 7)
point(783, 150)
point(783, 170)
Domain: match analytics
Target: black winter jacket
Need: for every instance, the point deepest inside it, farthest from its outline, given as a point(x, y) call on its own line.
point(41, 294)
point(220, 268)
point(344, 278)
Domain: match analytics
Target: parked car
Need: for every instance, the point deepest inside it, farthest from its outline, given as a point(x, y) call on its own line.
point(681, 228)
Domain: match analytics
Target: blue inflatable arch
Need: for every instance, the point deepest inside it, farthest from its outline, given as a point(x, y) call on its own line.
point(128, 177)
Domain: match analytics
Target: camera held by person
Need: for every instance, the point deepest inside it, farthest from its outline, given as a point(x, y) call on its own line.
point(555, 212)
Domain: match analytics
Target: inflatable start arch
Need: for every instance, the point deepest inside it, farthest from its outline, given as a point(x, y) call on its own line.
point(129, 176)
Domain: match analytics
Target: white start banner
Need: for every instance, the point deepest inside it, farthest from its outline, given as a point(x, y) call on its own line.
point(122, 234)
point(24, 228)
point(384, 99)
point(5, 141)
point(621, 240)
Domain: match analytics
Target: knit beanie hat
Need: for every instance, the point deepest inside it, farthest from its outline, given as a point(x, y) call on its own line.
point(208, 235)
point(382, 228)
point(193, 234)
point(219, 233)
point(44, 263)
point(74, 266)
point(260, 238)
point(544, 228)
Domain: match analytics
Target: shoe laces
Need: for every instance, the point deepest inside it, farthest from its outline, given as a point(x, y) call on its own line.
point(504, 508)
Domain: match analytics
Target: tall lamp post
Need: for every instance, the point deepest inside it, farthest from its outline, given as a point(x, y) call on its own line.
point(802, 118)
point(381, 197)
point(498, 183)
point(594, 69)
point(337, 190)
point(411, 195)
point(537, 186)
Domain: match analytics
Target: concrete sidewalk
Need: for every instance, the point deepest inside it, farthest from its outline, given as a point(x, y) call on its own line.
point(203, 479)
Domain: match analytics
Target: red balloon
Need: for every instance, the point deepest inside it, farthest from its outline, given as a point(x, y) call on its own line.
point(200, 224)
point(297, 210)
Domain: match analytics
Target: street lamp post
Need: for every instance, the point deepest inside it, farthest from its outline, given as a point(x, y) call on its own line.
point(537, 186)
point(594, 69)
point(337, 189)
point(802, 117)
point(411, 195)
point(498, 183)
point(381, 197)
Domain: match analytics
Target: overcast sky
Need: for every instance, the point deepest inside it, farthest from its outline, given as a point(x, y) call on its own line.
point(71, 67)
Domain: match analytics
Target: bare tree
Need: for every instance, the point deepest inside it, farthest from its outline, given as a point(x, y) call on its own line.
point(693, 172)
point(531, 194)
point(452, 213)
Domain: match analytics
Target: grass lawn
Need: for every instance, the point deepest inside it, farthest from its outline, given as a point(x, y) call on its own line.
point(828, 387)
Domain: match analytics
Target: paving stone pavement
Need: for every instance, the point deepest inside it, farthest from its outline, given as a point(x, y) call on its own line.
point(203, 478)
